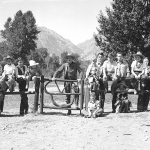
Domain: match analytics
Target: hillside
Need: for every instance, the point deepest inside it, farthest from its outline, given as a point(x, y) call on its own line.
point(89, 49)
point(54, 42)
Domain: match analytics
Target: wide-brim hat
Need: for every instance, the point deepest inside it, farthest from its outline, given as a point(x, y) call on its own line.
point(8, 57)
point(69, 55)
point(138, 54)
point(33, 63)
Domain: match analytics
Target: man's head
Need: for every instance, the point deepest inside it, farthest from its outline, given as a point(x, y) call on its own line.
point(138, 56)
point(110, 57)
point(100, 57)
point(69, 58)
point(20, 61)
point(146, 61)
point(8, 60)
point(119, 56)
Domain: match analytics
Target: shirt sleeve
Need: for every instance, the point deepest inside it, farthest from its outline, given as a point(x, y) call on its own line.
point(59, 71)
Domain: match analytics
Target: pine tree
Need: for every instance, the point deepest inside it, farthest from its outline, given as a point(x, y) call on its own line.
point(20, 34)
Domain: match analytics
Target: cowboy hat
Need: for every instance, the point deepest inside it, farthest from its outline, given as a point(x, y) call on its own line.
point(8, 57)
point(19, 59)
point(69, 55)
point(139, 54)
point(33, 63)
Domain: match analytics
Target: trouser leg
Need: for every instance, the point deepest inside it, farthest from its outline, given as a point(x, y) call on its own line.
point(68, 90)
point(24, 99)
point(101, 94)
point(114, 94)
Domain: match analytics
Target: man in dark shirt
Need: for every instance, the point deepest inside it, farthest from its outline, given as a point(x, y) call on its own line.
point(70, 69)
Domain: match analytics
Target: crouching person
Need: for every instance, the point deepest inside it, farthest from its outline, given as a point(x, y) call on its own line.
point(9, 73)
point(21, 79)
point(94, 109)
point(123, 104)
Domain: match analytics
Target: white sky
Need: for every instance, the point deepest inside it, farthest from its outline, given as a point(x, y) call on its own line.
point(72, 19)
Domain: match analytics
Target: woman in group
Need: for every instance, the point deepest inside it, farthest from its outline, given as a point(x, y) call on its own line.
point(21, 78)
point(95, 71)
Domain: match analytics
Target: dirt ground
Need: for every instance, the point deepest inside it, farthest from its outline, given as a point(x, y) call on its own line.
point(55, 130)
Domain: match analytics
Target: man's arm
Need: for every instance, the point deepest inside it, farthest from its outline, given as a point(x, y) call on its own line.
point(59, 71)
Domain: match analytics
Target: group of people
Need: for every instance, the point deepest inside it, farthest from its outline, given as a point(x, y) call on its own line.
point(136, 76)
point(98, 73)
point(10, 74)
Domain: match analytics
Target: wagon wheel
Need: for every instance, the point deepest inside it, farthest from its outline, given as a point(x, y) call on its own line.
point(54, 102)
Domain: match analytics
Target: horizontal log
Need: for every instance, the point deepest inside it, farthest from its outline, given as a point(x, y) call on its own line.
point(53, 107)
point(15, 93)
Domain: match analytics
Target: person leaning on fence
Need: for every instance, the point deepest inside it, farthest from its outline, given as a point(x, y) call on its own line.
point(21, 79)
point(137, 70)
point(70, 69)
point(94, 74)
point(32, 73)
point(121, 72)
point(9, 73)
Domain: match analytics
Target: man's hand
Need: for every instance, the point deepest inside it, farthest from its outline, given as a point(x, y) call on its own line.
point(136, 77)
point(79, 80)
point(53, 79)
point(104, 77)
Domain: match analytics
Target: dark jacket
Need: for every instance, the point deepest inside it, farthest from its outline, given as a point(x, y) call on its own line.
point(69, 71)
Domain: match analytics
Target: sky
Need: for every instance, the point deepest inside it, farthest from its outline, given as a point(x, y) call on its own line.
point(75, 20)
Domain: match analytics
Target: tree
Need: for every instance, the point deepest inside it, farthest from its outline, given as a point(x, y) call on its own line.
point(20, 34)
point(125, 27)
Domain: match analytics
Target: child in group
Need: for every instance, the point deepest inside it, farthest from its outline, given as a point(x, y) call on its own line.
point(33, 72)
point(137, 70)
point(9, 73)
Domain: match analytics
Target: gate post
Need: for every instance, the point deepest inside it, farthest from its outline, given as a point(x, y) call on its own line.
point(82, 95)
point(41, 94)
point(36, 97)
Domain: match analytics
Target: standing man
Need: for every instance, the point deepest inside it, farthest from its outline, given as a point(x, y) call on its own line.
point(70, 69)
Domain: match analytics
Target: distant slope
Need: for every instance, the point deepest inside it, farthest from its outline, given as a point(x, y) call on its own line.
point(55, 43)
point(89, 49)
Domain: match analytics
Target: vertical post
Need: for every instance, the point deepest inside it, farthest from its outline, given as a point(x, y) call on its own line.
point(36, 97)
point(41, 94)
point(82, 95)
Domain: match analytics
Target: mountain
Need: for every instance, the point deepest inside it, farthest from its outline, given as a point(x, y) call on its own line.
point(89, 49)
point(55, 43)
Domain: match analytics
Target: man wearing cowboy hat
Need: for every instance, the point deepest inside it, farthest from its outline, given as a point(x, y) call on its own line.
point(9, 73)
point(137, 70)
point(70, 69)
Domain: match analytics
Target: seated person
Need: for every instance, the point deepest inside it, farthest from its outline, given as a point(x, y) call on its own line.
point(21, 78)
point(9, 73)
point(137, 70)
point(32, 72)
point(109, 70)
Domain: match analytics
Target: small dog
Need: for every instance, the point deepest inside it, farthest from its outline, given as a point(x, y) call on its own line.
point(123, 104)
point(93, 106)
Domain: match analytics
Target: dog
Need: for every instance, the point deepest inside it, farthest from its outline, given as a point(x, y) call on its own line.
point(123, 104)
